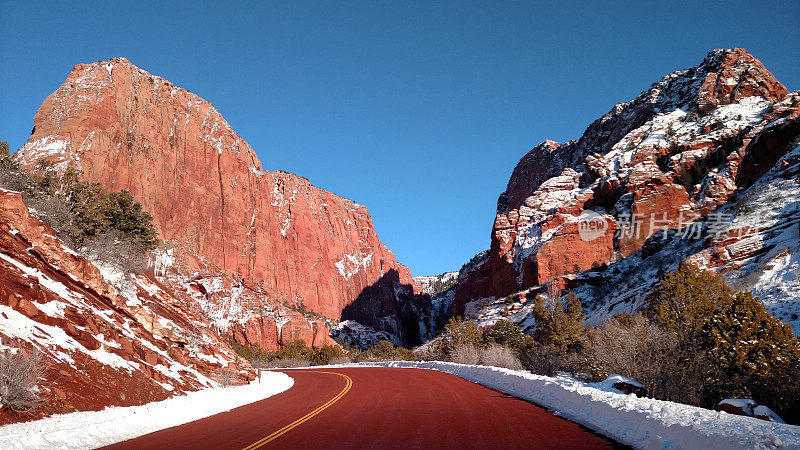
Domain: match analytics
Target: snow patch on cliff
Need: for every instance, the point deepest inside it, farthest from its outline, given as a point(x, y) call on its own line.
point(350, 265)
point(354, 334)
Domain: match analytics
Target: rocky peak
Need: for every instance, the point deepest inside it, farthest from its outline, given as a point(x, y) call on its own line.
point(725, 76)
point(676, 153)
point(433, 285)
point(259, 239)
point(733, 74)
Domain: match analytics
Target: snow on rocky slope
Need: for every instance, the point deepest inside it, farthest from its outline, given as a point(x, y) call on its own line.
point(106, 338)
point(433, 285)
point(701, 167)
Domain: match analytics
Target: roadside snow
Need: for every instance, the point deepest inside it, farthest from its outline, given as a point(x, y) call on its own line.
point(638, 422)
point(608, 383)
point(92, 429)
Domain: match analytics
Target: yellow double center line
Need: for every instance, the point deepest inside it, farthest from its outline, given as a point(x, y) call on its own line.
point(275, 435)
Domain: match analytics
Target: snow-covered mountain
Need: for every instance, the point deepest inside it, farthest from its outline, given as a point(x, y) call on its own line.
point(701, 167)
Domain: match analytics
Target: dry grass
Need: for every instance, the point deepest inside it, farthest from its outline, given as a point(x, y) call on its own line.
point(282, 363)
point(500, 356)
point(226, 378)
point(546, 360)
point(465, 354)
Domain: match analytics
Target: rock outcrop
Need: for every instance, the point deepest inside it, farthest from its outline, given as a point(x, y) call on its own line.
point(244, 239)
point(101, 344)
point(691, 154)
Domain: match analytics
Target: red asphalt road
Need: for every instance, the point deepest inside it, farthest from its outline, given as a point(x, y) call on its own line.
point(383, 408)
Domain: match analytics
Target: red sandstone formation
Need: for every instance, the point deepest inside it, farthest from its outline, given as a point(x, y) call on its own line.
point(101, 346)
point(675, 154)
point(237, 233)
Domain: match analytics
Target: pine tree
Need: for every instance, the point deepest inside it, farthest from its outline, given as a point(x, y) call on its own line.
point(739, 347)
point(560, 324)
point(684, 299)
point(747, 340)
point(506, 333)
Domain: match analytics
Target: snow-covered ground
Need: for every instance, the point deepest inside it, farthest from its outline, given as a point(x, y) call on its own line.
point(638, 422)
point(92, 429)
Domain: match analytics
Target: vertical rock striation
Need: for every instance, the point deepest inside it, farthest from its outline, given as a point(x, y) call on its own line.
point(268, 237)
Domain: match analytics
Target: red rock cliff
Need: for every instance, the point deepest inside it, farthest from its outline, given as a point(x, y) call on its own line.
point(100, 346)
point(271, 234)
point(670, 156)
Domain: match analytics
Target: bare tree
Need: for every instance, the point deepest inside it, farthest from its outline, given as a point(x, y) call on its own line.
point(110, 248)
point(20, 375)
point(670, 369)
point(465, 354)
point(500, 356)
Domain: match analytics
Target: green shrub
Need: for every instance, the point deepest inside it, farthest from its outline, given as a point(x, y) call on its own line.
point(508, 334)
point(670, 131)
point(744, 350)
point(381, 350)
point(326, 354)
point(683, 300)
point(458, 332)
point(125, 215)
point(250, 352)
point(295, 350)
point(298, 354)
point(78, 210)
point(746, 340)
point(404, 354)
point(386, 351)
point(560, 323)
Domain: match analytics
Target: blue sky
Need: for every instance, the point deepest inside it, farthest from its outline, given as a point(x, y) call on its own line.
point(419, 110)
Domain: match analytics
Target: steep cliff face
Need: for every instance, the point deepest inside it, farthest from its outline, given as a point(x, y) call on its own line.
point(678, 157)
point(101, 344)
point(264, 239)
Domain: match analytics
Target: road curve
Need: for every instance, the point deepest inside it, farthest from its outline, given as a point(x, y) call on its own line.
point(378, 407)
